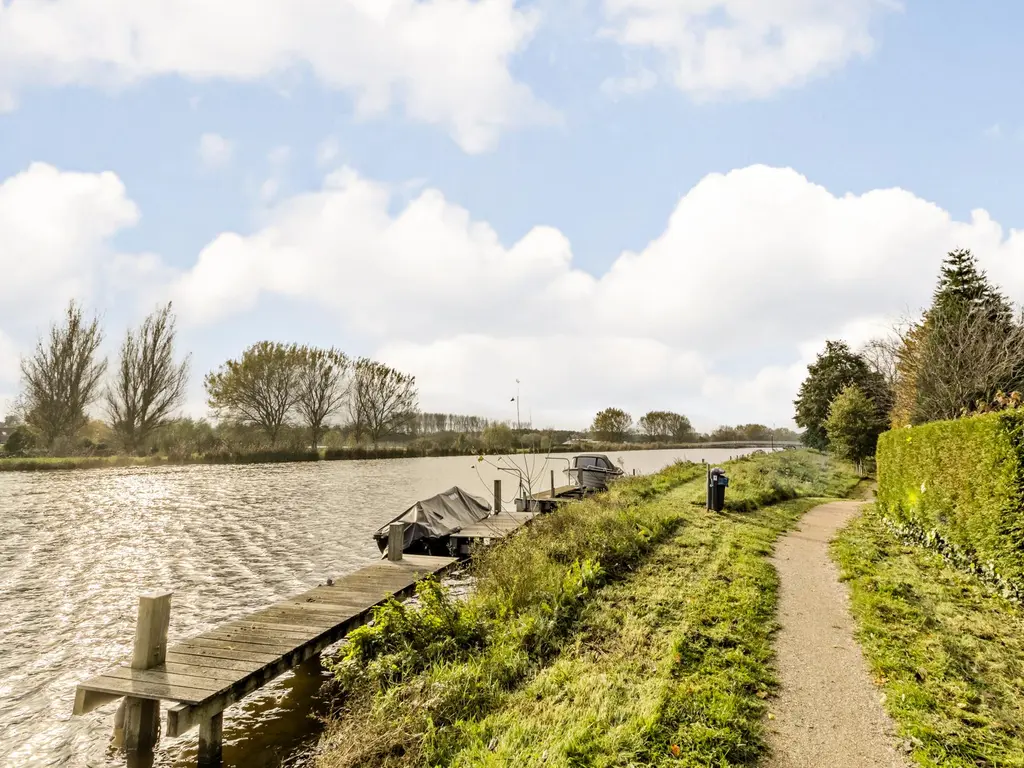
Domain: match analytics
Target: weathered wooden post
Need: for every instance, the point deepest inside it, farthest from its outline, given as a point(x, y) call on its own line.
point(211, 741)
point(552, 484)
point(142, 716)
point(396, 541)
point(497, 496)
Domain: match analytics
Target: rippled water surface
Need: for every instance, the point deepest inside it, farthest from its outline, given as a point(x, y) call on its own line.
point(77, 548)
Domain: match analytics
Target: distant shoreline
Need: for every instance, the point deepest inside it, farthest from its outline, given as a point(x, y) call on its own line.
point(49, 464)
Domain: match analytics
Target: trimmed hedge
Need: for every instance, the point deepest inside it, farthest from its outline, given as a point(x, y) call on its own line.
point(960, 484)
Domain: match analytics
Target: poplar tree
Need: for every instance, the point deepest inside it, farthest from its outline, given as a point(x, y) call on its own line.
point(62, 377)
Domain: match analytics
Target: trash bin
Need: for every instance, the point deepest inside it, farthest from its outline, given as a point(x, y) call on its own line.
point(718, 481)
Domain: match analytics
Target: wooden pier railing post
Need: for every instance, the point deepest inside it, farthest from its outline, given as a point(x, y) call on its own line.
point(142, 716)
point(497, 496)
point(396, 541)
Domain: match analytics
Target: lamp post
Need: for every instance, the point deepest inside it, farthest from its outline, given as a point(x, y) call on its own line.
point(519, 426)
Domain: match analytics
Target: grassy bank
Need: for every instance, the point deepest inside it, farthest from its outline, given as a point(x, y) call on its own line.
point(630, 629)
point(947, 649)
point(45, 463)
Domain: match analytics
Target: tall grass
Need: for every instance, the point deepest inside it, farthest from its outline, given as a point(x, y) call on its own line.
point(402, 683)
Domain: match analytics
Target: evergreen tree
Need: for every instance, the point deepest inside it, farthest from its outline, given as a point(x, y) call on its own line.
point(835, 369)
point(964, 286)
point(968, 346)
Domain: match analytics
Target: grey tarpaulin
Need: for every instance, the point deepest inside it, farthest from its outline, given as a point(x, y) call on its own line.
point(437, 516)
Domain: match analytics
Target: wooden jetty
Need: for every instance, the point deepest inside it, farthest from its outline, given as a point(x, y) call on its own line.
point(204, 675)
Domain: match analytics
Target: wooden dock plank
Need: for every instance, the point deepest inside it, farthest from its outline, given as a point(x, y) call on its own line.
point(240, 666)
point(226, 632)
point(163, 676)
point(219, 674)
point(274, 651)
point(196, 649)
point(247, 637)
point(143, 690)
point(495, 527)
point(269, 626)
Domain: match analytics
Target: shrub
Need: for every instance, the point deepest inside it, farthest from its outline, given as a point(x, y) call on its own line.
point(960, 483)
point(19, 441)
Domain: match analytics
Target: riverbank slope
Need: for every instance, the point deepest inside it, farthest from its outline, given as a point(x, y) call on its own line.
point(631, 629)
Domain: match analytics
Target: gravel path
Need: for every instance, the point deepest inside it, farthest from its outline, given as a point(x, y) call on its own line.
point(828, 713)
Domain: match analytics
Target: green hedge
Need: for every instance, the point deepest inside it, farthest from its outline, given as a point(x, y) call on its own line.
point(960, 484)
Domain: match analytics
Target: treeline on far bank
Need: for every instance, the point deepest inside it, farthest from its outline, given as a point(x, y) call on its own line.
point(275, 402)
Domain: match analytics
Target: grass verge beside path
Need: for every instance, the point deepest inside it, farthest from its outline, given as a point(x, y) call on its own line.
point(630, 630)
point(947, 650)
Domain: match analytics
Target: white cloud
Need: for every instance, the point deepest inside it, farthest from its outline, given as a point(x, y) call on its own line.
point(994, 131)
point(717, 317)
point(215, 151)
point(446, 62)
point(745, 48)
point(56, 228)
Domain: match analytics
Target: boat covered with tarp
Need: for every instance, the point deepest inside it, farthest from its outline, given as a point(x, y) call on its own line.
point(430, 522)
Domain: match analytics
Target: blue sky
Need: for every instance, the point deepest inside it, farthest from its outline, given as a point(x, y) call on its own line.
point(925, 100)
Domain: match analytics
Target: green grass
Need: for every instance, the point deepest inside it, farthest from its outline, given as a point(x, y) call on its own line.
point(947, 650)
point(604, 634)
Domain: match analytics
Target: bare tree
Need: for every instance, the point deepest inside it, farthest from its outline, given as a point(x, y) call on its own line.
point(382, 398)
point(62, 377)
point(258, 389)
point(965, 356)
point(882, 355)
point(322, 385)
point(149, 384)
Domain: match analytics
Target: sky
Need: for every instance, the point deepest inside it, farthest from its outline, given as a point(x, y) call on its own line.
point(649, 204)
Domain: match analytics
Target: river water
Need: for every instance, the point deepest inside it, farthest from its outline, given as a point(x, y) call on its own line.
point(77, 548)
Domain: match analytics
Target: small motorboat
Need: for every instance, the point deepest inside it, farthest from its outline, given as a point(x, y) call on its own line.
point(593, 472)
point(431, 522)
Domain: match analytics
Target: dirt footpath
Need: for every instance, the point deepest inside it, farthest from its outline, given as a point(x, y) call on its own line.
point(828, 713)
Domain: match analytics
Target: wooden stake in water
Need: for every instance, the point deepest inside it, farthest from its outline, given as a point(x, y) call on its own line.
point(497, 496)
point(552, 484)
point(142, 716)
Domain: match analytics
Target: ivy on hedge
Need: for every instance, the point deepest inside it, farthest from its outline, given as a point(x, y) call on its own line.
point(960, 483)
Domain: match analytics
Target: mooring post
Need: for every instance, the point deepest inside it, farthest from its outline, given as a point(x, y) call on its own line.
point(497, 496)
point(552, 484)
point(211, 741)
point(142, 716)
point(396, 541)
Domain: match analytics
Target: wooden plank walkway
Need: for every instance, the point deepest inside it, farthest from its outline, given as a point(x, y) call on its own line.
point(500, 525)
point(494, 527)
point(203, 675)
